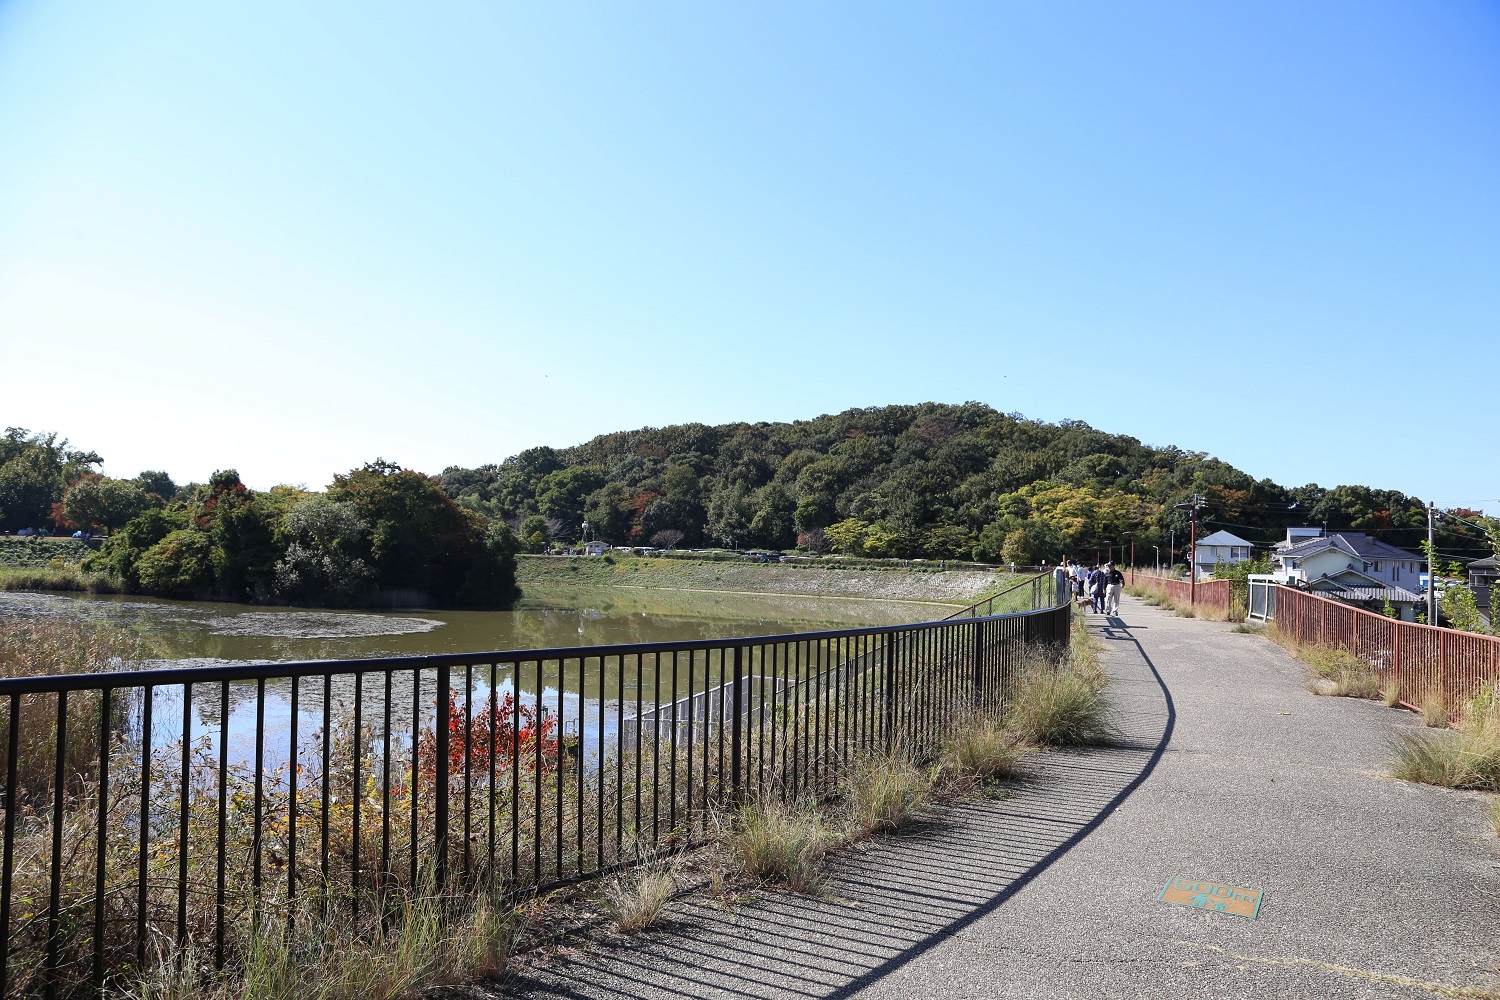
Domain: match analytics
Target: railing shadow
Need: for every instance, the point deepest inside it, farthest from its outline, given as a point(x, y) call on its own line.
point(886, 902)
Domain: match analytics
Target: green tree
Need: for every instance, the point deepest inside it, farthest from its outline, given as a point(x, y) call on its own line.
point(28, 487)
point(326, 561)
point(180, 565)
point(730, 514)
point(847, 536)
point(1033, 543)
point(157, 484)
point(121, 553)
point(1458, 606)
point(96, 501)
point(534, 535)
point(562, 494)
point(244, 553)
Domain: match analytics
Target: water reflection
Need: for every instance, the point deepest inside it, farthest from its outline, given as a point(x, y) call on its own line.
point(588, 699)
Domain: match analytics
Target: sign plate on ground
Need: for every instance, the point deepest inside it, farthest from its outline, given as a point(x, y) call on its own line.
point(1232, 899)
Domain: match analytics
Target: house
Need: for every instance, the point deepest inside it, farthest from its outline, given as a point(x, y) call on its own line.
point(1352, 567)
point(1483, 574)
point(595, 548)
point(1295, 536)
point(1220, 548)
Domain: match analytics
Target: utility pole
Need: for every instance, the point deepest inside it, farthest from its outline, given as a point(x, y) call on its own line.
point(1193, 558)
point(1172, 550)
point(1192, 509)
point(1431, 571)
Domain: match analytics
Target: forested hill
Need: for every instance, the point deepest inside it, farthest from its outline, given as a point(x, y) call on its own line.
point(933, 480)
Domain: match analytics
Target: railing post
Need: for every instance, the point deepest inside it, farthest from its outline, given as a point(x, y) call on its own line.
point(440, 788)
point(888, 683)
point(977, 661)
point(736, 725)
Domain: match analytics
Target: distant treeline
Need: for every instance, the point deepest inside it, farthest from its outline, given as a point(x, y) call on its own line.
point(378, 535)
point(930, 480)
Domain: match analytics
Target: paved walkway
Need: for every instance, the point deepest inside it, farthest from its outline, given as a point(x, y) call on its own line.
point(1227, 770)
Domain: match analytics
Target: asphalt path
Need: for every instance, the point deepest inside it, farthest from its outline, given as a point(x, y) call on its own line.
point(1225, 769)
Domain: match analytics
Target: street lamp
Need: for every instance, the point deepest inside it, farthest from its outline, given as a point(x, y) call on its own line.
point(1130, 535)
point(1157, 550)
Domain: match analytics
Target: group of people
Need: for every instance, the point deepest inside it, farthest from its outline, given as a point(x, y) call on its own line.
point(1100, 585)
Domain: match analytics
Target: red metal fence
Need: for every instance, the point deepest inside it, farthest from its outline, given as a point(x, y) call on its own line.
point(1423, 658)
point(1215, 594)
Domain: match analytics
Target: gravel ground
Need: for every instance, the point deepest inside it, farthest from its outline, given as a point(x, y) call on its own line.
point(1226, 770)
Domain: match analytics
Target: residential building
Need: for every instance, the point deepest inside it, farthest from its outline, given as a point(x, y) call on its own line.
point(1483, 575)
point(1220, 548)
point(1353, 567)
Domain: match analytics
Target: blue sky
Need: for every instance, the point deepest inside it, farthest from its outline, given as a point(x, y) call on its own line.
point(290, 238)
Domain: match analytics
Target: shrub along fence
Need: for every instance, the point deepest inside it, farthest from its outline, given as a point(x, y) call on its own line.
point(1424, 660)
point(154, 813)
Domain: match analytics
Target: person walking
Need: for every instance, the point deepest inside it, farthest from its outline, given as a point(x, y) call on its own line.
point(1115, 581)
point(1098, 587)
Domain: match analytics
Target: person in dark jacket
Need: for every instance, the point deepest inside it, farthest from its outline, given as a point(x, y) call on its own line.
point(1098, 587)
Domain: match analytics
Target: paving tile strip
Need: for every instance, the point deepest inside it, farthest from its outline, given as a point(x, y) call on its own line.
point(893, 898)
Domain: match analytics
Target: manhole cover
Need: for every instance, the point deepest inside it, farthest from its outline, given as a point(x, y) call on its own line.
point(1235, 900)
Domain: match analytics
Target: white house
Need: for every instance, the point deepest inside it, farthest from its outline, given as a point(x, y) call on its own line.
point(1220, 548)
point(1352, 567)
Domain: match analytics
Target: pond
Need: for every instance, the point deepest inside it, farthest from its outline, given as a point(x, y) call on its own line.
point(586, 703)
point(545, 617)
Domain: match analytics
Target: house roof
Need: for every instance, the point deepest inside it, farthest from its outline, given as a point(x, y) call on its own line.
point(1223, 538)
point(1342, 578)
point(1359, 545)
point(1489, 563)
point(1396, 595)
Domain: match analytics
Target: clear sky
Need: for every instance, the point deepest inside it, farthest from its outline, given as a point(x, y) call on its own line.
point(292, 237)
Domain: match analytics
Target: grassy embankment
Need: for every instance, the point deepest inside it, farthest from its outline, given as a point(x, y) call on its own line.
point(955, 587)
point(47, 564)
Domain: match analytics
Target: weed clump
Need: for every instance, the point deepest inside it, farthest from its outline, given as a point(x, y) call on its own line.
point(1340, 673)
point(981, 747)
point(1057, 705)
point(1468, 757)
point(881, 792)
point(434, 942)
point(781, 843)
point(1434, 709)
point(638, 897)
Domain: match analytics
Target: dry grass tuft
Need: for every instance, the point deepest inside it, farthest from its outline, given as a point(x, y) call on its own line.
point(1465, 758)
point(638, 897)
point(1434, 709)
point(882, 792)
point(1058, 705)
point(782, 843)
point(983, 748)
point(434, 943)
point(1340, 673)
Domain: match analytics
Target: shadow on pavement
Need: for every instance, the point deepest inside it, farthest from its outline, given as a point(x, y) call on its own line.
point(897, 897)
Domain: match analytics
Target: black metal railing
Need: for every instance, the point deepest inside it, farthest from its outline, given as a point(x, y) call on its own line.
point(148, 812)
point(1031, 594)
